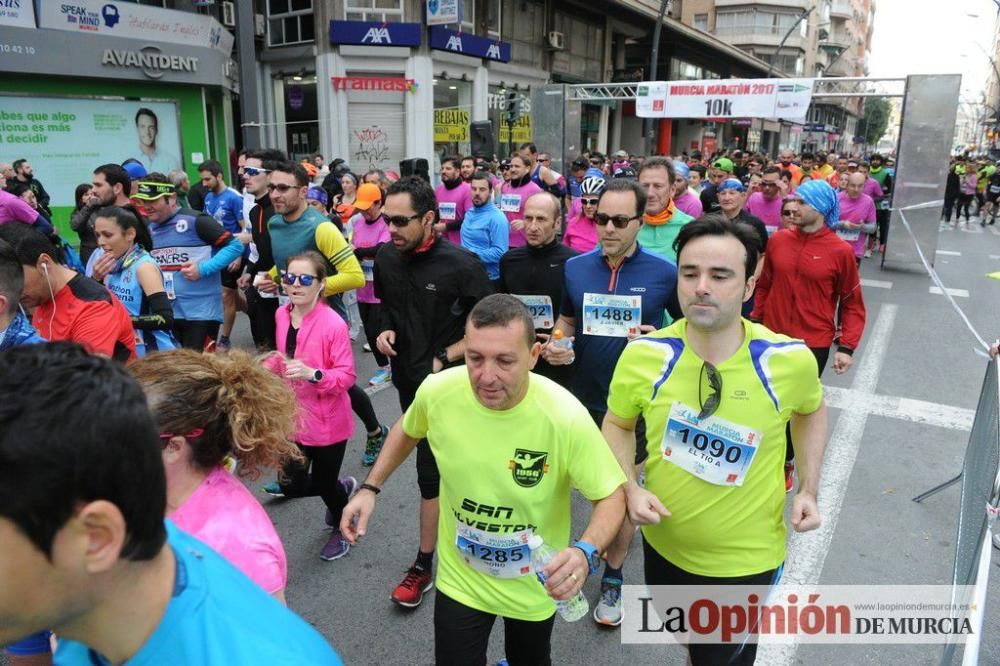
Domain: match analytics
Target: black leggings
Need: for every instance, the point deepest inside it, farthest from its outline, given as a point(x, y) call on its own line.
point(261, 313)
point(371, 314)
point(660, 571)
point(361, 405)
point(461, 635)
point(195, 335)
point(822, 355)
point(964, 200)
point(297, 481)
point(949, 206)
point(882, 218)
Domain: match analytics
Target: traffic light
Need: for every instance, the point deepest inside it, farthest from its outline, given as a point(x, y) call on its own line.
point(513, 107)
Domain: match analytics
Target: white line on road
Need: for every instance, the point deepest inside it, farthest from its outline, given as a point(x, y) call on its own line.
point(950, 253)
point(995, 256)
point(879, 284)
point(807, 551)
point(961, 293)
point(907, 409)
point(372, 390)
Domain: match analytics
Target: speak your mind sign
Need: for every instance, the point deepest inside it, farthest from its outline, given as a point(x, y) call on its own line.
point(724, 98)
point(65, 139)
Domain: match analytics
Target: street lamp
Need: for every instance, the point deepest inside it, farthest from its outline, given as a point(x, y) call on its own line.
point(805, 13)
point(655, 56)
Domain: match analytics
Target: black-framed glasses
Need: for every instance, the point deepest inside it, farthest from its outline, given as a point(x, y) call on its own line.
point(590, 202)
point(711, 405)
point(400, 220)
point(304, 280)
point(620, 221)
point(280, 187)
point(254, 171)
point(788, 213)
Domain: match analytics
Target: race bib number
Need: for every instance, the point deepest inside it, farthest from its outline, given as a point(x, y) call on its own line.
point(368, 268)
point(497, 555)
point(883, 205)
point(168, 284)
point(447, 211)
point(541, 310)
point(510, 203)
point(994, 189)
point(715, 450)
point(849, 235)
point(611, 315)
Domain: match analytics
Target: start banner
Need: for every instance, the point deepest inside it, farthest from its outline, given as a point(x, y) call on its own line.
point(724, 98)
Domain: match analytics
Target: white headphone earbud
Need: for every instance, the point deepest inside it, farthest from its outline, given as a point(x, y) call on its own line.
point(45, 269)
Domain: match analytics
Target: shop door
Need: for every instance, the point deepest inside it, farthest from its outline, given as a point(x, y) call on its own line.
point(377, 136)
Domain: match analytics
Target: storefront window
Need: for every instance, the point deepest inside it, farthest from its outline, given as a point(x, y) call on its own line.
point(452, 113)
point(301, 116)
point(373, 10)
point(289, 22)
point(497, 104)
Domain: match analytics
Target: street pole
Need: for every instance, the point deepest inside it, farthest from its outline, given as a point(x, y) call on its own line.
point(249, 90)
point(802, 17)
point(655, 55)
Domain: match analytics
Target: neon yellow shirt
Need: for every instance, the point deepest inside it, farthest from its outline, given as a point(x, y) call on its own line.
point(507, 472)
point(717, 529)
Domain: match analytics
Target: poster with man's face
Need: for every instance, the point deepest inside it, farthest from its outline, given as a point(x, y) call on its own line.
point(66, 138)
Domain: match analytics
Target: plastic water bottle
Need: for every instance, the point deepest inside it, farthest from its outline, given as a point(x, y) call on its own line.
point(561, 341)
point(572, 609)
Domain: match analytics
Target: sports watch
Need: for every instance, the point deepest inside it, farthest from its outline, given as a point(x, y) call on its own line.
point(317, 377)
point(590, 552)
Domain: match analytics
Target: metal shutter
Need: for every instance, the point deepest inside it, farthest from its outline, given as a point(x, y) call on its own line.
point(377, 134)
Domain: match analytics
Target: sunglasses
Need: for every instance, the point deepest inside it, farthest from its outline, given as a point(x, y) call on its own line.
point(787, 213)
point(254, 171)
point(304, 280)
point(400, 220)
point(281, 187)
point(711, 405)
point(620, 221)
point(589, 202)
point(167, 436)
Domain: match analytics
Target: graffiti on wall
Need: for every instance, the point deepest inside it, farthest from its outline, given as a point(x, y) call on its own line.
point(371, 146)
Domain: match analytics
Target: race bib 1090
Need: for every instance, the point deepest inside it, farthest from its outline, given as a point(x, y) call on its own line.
point(715, 450)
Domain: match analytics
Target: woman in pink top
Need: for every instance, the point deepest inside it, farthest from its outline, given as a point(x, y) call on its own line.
point(214, 410)
point(581, 229)
point(370, 234)
point(314, 357)
point(513, 195)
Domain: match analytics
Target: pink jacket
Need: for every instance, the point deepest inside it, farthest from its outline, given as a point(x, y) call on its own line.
point(323, 342)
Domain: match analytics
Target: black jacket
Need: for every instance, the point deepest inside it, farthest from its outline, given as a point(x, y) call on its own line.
point(426, 297)
point(259, 215)
point(531, 271)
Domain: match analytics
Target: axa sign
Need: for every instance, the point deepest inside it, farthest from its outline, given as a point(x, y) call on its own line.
point(150, 60)
point(454, 43)
point(444, 39)
point(375, 33)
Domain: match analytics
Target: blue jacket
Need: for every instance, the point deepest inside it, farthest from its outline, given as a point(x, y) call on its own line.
point(20, 332)
point(486, 232)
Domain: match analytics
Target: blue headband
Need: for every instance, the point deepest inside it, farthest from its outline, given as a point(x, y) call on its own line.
point(822, 197)
point(682, 170)
point(730, 184)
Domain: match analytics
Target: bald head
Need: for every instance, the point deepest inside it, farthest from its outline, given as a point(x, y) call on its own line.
point(856, 184)
point(541, 218)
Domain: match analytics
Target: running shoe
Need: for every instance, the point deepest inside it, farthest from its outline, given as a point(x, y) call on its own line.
point(608, 610)
point(273, 489)
point(335, 548)
point(868, 254)
point(383, 376)
point(373, 446)
point(410, 592)
point(349, 484)
point(789, 476)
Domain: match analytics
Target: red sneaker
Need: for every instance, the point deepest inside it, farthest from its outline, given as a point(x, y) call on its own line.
point(789, 476)
point(410, 592)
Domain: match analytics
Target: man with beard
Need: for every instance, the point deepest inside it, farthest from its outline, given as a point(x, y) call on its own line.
point(454, 198)
point(485, 231)
point(23, 173)
point(111, 186)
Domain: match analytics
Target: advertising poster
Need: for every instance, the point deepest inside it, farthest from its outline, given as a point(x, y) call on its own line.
point(724, 98)
point(66, 138)
point(451, 125)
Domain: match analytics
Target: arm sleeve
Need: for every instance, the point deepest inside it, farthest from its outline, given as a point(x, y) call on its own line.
point(499, 239)
point(97, 329)
point(42, 196)
point(231, 249)
point(80, 219)
point(476, 286)
point(340, 375)
point(367, 252)
point(42, 224)
point(160, 317)
point(501, 281)
point(852, 303)
point(332, 245)
point(386, 320)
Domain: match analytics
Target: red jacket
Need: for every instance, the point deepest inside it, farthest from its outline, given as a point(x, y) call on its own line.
point(804, 279)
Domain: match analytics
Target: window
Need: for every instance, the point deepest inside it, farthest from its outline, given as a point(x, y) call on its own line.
point(491, 20)
point(289, 22)
point(584, 46)
point(760, 21)
point(701, 22)
point(681, 70)
point(468, 23)
point(524, 27)
point(373, 10)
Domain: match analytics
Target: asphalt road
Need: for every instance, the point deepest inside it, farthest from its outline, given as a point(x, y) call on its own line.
point(879, 535)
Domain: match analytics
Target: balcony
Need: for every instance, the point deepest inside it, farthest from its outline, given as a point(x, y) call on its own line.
point(749, 35)
point(791, 4)
point(839, 39)
point(841, 9)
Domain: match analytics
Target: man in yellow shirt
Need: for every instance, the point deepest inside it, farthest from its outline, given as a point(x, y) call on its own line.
point(716, 392)
point(532, 441)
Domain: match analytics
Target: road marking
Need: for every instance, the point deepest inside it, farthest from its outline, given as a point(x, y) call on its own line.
point(807, 551)
point(950, 253)
point(372, 390)
point(961, 293)
point(879, 284)
point(995, 256)
point(906, 409)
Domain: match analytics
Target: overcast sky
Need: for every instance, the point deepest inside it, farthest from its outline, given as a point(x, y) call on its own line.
point(922, 37)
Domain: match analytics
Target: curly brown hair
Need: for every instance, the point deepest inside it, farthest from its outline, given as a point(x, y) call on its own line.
point(244, 410)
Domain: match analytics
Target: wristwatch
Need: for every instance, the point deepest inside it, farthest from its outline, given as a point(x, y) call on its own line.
point(317, 377)
point(590, 552)
point(442, 355)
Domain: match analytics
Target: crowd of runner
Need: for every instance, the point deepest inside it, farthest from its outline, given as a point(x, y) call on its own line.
point(650, 332)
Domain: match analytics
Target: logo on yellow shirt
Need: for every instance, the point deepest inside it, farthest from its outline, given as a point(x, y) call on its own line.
point(528, 467)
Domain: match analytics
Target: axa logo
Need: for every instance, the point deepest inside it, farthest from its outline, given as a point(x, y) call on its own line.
point(454, 43)
point(377, 36)
point(493, 52)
